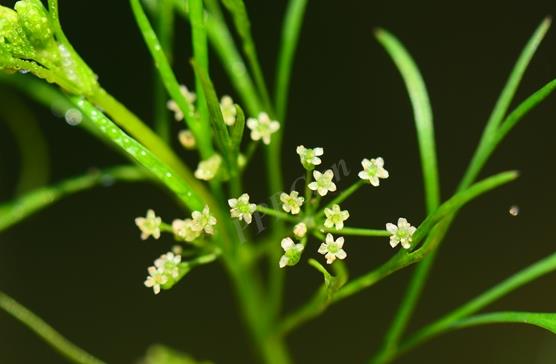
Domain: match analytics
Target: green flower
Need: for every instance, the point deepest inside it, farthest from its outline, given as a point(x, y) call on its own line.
point(292, 252)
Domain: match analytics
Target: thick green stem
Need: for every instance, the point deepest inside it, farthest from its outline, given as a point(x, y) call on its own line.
point(270, 347)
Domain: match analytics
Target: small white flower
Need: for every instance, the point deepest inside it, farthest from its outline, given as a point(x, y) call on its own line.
point(155, 279)
point(207, 169)
point(300, 230)
point(373, 170)
point(228, 110)
point(149, 225)
point(335, 217)
point(323, 182)
point(183, 229)
point(332, 249)
point(291, 203)
point(292, 252)
point(309, 157)
point(168, 264)
point(403, 233)
point(241, 208)
point(262, 127)
point(190, 97)
point(186, 139)
point(203, 221)
point(177, 249)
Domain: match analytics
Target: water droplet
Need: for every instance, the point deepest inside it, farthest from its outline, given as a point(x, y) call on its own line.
point(168, 174)
point(73, 117)
point(23, 71)
point(514, 210)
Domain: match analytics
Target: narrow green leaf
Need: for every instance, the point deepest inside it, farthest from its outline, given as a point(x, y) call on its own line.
point(15, 211)
point(243, 26)
point(290, 36)
point(215, 114)
point(529, 274)
point(488, 137)
point(422, 113)
point(66, 348)
point(457, 201)
point(164, 10)
point(182, 188)
point(169, 79)
point(523, 109)
point(237, 129)
point(540, 319)
point(223, 43)
point(200, 53)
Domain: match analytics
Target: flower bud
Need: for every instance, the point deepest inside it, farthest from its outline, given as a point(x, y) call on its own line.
point(35, 22)
point(12, 38)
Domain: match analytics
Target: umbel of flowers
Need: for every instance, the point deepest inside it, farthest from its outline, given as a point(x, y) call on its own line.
point(309, 215)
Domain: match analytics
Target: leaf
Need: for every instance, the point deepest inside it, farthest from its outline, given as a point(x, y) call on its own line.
point(184, 190)
point(222, 135)
point(543, 320)
point(457, 201)
point(15, 211)
point(446, 322)
point(67, 349)
point(290, 37)
point(488, 138)
point(422, 113)
point(238, 128)
point(169, 79)
point(519, 112)
point(243, 27)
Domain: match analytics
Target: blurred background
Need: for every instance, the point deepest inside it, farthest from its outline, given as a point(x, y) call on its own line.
point(80, 264)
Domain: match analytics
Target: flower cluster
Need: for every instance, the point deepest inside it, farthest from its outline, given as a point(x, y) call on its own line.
point(208, 168)
point(228, 109)
point(30, 42)
point(190, 229)
point(330, 219)
point(166, 270)
point(189, 97)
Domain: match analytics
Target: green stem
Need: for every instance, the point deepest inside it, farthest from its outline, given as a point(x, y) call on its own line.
point(342, 196)
point(539, 269)
point(354, 231)
point(46, 332)
point(135, 127)
point(165, 32)
point(278, 214)
point(290, 36)
point(271, 348)
point(15, 211)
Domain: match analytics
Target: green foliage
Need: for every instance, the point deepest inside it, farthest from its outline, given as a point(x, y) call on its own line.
point(31, 39)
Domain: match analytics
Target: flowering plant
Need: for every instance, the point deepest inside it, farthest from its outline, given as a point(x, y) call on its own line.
point(220, 221)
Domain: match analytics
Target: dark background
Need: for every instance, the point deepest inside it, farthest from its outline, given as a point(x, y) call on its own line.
point(80, 264)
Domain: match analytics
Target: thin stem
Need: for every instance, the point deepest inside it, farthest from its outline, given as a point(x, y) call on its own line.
point(200, 52)
point(342, 196)
point(46, 332)
point(354, 231)
point(165, 32)
point(278, 214)
point(14, 211)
